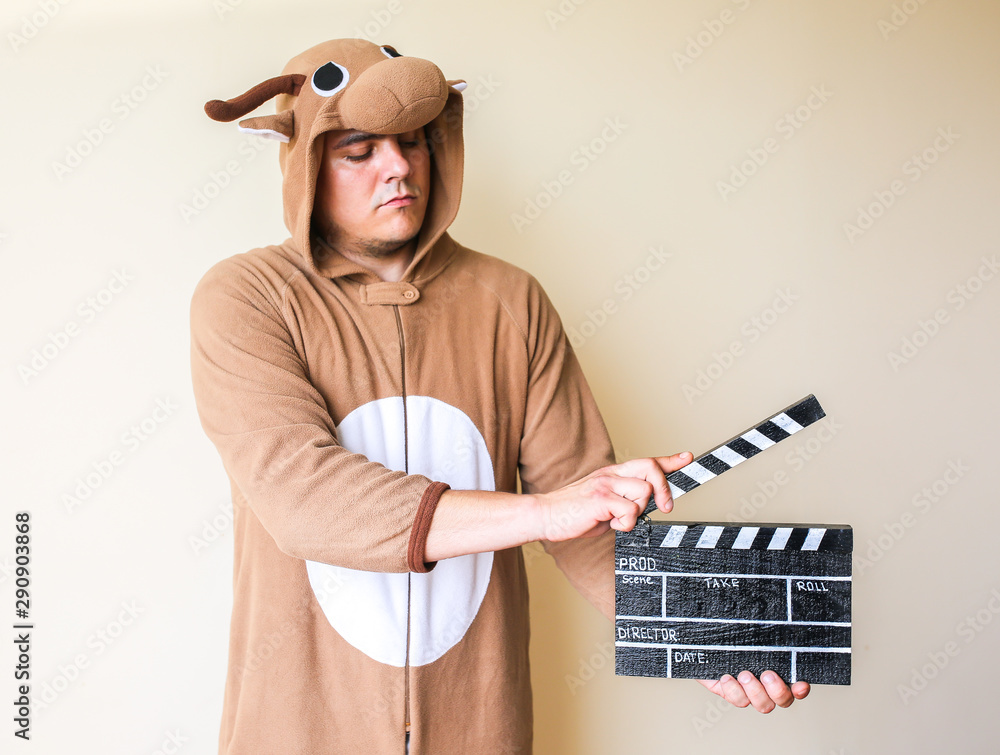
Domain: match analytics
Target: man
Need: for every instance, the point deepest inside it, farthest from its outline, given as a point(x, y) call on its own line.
point(376, 392)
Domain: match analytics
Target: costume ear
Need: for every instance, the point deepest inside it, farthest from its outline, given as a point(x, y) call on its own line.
point(280, 126)
point(458, 85)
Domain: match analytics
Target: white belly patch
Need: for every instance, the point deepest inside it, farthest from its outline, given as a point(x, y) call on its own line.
point(368, 609)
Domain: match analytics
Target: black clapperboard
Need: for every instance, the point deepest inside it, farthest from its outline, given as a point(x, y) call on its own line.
point(696, 600)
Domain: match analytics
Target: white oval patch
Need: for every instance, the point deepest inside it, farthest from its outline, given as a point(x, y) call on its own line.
point(368, 609)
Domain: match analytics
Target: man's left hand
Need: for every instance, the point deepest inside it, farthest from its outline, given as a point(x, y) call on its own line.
point(763, 694)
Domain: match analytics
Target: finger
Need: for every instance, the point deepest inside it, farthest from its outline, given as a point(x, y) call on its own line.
point(672, 463)
point(733, 691)
point(624, 514)
point(712, 685)
point(667, 464)
point(800, 690)
point(754, 690)
point(634, 489)
point(777, 690)
point(650, 470)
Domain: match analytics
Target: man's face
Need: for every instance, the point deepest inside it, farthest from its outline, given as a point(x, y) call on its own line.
point(372, 190)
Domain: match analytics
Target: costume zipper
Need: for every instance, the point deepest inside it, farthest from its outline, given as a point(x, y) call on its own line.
point(406, 468)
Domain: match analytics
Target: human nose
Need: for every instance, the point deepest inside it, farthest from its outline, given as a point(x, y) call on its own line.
point(395, 164)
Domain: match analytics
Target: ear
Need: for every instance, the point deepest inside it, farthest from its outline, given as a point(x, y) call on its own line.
point(458, 85)
point(280, 126)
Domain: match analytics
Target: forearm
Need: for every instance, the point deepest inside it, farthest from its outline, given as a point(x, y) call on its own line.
point(476, 521)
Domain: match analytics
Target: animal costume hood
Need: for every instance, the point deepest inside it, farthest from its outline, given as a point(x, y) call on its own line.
point(342, 407)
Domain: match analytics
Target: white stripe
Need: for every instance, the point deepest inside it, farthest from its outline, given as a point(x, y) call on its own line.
point(675, 492)
point(779, 539)
point(793, 680)
point(697, 472)
point(699, 575)
point(786, 423)
point(709, 537)
point(755, 438)
point(728, 455)
point(768, 622)
point(741, 648)
point(674, 536)
point(813, 539)
point(745, 539)
point(663, 598)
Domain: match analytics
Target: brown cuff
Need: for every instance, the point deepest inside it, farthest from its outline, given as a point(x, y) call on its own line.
point(421, 526)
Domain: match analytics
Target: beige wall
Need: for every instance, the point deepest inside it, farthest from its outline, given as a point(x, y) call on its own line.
point(841, 98)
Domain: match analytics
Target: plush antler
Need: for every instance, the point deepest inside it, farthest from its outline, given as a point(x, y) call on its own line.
point(230, 110)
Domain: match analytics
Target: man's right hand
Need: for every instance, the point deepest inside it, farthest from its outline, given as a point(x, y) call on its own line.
point(612, 497)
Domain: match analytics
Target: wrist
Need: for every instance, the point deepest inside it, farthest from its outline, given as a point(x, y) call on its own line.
point(531, 517)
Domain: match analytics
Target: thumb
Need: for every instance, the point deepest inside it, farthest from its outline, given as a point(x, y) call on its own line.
point(673, 463)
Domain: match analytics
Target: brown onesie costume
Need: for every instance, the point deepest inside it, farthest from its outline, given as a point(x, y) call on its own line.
point(342, 406)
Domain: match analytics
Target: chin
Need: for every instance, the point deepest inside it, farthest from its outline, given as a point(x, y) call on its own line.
point(404, 231)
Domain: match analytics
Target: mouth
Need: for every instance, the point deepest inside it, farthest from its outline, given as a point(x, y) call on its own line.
point(400, 201)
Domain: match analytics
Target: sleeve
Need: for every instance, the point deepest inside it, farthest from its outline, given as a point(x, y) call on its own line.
point(564, 439)
point(278, 443)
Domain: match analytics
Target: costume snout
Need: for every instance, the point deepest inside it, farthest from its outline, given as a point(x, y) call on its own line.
point(393, 96)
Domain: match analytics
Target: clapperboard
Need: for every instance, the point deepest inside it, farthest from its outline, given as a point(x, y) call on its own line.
point(696, 600)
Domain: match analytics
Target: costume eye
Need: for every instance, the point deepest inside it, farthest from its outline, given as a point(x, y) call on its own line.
point(390, 52)
point(329, 79)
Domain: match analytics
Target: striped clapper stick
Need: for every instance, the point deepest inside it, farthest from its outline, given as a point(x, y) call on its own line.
point(699, 600)
point(737, 450)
